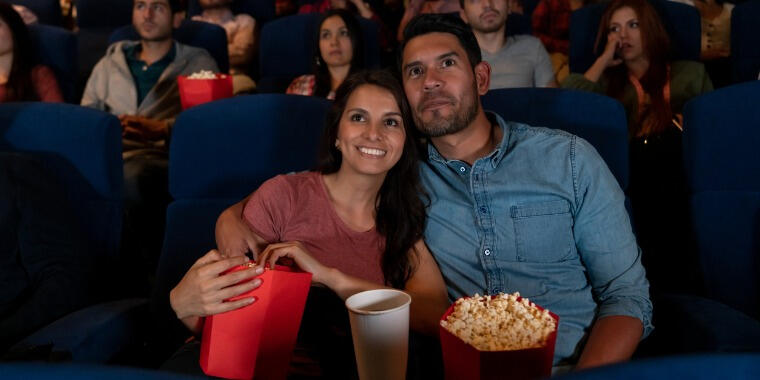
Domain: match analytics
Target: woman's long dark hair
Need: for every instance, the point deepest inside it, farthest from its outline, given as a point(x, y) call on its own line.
point(656, 45)
point(19, 86)
point(323, 81)
point(400, 213)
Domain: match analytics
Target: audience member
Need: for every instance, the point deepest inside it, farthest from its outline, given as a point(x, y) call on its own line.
point(354, 6)
point(516, 61)
point(355, 224)
point(520, 208)
point(44, 270)
point(634, 68)
point(420, 7)
point(340, 52)
point(136, 80)
point(551, 23)
point(240, 30)
point(20, 78)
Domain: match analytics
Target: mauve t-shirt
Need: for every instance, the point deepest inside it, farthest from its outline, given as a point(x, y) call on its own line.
point(296, 207)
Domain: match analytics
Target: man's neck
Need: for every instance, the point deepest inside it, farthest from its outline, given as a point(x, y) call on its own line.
point(476, 141)
point(491, 42)
point(153, 51)
point(638, 67)
point(218, 14)
point(337, 75)
point(6, 61)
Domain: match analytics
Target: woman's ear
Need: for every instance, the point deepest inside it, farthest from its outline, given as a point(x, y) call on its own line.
point(482, 77)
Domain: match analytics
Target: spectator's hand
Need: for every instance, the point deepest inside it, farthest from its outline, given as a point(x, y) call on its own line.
point(202, 291)
point(301, 257)
point(142, 128)
point(363, 8)
point(233, 236)
point(608, 56)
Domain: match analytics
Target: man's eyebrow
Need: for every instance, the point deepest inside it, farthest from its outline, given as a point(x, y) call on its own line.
point(438, 58)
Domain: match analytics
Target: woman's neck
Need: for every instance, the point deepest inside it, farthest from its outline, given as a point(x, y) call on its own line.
point(354, 197)
point(6, 63)
point(337, 75)
point(638, 67)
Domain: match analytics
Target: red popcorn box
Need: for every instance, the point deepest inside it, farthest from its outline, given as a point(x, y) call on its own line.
point(257, 340)
point(198, 91)
point(463, 361)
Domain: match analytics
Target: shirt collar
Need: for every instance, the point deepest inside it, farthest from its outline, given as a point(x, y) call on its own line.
point(132, 52)
point(495, 156)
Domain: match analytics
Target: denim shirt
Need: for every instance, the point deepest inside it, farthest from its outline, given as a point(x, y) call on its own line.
point(541, 215)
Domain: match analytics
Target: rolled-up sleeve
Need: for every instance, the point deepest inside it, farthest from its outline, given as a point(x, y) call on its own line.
point(606, 242)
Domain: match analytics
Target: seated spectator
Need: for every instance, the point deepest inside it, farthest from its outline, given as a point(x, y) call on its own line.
point(136, 80)
point(551, 23)
point(354, 6)
point(340, 53)
point(421, 7)
point(240, 36)
point(516, 61)
point(20, 78)
point(43, 265)
point(355, 224)
point(634, 68)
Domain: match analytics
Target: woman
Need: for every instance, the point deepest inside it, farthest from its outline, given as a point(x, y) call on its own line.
point(356, 224)
point(340, 53)
point(20, 80)
point(634, 68)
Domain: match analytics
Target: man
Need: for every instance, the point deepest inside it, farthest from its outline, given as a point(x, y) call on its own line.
point(240, 36)
point(136, 80)
point(516, 61)
point(519, 208)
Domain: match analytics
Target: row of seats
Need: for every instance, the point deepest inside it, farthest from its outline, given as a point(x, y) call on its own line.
point(223, 150)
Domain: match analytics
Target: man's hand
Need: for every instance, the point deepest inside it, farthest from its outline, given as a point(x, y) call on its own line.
point(142, 128)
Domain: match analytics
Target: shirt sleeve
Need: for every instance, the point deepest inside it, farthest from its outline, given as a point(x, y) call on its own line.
point(268, 209)
point(605, 240)
point(544, 72)
point(577, 81)
point(96, 88)
point(46, 85)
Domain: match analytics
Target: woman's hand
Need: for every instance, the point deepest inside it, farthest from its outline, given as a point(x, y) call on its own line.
point(202, 290)
point(233, 236)
point(608, 56)
point(297, 252)
point(363, 8)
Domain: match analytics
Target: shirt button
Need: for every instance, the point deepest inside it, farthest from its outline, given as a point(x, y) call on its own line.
point(483, 209)
point(495, 291)
point(487, 252)
point(462, 169)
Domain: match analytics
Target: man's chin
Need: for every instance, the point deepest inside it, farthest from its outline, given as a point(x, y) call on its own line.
point(149, 38)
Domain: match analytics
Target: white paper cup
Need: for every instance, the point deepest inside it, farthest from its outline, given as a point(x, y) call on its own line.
point(380, 330)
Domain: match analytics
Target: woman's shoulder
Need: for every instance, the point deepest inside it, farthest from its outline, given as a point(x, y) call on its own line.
point(679, 68)
point(291, 183)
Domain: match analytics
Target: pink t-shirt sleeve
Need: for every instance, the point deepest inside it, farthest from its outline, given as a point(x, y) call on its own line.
point(269, 209)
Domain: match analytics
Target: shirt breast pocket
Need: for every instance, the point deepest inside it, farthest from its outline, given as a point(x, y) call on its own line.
point(543, 231)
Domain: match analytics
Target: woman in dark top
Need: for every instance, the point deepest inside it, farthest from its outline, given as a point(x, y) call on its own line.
point(20, 80)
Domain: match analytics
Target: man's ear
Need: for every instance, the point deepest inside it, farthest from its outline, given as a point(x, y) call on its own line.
point(482, 77)
point(463, 16)
point(177, 19)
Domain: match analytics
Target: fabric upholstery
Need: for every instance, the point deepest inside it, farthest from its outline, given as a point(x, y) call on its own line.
point(697, 367)
point(40, 371)
point(745, 40)
point(57, 49)
point(682, 23)
point(598, 119)
point(200, 34)
point(721, 136)
point(91, 13)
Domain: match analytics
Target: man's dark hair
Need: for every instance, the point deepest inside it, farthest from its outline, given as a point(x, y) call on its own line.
point(442, 23)
point(176, 5)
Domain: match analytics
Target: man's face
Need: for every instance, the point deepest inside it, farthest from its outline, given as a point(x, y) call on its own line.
point(152, 19)
point(439, 83)
point(485, 16)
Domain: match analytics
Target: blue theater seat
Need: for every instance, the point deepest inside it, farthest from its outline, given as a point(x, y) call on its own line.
point(48, 11)
point(745, 41)
point(598, 119)
point(722, 159)
point(681, 21)
point(40, 371)
point(262, 11)
point(57, 49)
point(698, 367)
point(287, 48)
point(200, 34)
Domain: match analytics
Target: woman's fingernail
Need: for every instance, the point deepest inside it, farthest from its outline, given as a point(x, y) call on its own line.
point(251, 300)
point(256, 282)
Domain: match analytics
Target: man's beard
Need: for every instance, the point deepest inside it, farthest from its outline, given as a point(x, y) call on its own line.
point(440, 126)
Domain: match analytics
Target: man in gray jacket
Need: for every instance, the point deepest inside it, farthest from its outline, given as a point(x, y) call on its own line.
point(137, 81)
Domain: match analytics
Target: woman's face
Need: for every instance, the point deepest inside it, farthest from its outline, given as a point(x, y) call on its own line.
point(371, 131)
point(625, 24)
point(6, 38)
point(335, 43)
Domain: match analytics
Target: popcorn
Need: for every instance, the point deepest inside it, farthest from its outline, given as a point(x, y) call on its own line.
point(203, 74)
point(500, 323)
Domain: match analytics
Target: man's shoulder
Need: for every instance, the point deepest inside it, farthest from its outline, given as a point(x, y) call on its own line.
point(523, 42)
point(526, 133)
point(189, 52)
